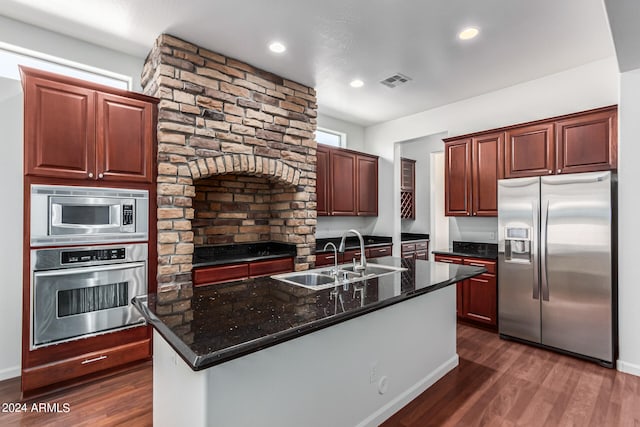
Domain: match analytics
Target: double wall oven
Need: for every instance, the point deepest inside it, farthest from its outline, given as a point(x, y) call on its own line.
point(89, 258)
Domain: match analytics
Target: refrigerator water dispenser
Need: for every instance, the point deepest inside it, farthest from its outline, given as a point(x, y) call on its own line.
point(517, 244)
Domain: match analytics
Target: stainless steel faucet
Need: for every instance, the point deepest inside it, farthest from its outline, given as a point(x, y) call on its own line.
point(363, 259)
point(335, 258)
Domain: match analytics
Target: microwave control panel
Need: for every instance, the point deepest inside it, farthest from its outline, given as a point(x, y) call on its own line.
point(127, 214)
point(71, 257)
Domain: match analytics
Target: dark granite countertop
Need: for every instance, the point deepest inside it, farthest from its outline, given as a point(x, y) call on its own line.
point(212, 324)
point(471, 249)
point(352, 242)
point(408, 237)
point(226, 254)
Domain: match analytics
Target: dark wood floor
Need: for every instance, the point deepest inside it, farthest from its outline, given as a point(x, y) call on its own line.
point(123, 399)
point(503, 383)
point(498, 383)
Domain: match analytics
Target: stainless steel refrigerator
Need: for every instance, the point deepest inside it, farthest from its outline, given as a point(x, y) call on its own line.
point(557, 264)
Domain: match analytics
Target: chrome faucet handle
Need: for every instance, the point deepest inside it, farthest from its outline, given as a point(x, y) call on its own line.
point(334, 270)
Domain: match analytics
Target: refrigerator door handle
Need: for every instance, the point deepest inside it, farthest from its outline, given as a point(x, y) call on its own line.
point(543, 257)
point(534, 249)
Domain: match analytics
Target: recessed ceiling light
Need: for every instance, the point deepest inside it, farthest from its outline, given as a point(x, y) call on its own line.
point(356, 83)
point(277, 47)
point(468, 33)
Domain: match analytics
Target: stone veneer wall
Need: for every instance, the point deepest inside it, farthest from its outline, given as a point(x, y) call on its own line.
point(221, 116)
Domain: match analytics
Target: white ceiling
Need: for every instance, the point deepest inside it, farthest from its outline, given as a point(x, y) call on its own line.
point(331, 42)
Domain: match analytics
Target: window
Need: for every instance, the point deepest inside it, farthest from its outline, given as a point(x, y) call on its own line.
point(12, 56)
point(331, 137)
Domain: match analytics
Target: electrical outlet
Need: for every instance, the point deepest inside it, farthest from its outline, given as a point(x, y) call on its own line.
point(373, 373)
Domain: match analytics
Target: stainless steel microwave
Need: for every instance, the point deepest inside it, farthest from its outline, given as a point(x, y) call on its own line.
point(65, 215)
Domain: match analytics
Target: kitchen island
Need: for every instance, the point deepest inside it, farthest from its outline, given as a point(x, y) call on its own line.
point(263, 352)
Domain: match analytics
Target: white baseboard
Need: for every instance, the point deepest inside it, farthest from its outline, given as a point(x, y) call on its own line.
point(628, 368)
point(8, 373)
point(408, 395)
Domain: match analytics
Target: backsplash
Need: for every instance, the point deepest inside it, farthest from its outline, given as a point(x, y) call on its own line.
point(236, 156)
point(476, 229)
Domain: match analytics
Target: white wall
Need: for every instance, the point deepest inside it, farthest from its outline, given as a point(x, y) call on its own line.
point(335, 226)
point(11, 219)
point(40, 40)
point(628, 225)
point(420, 150)
point(588, 86)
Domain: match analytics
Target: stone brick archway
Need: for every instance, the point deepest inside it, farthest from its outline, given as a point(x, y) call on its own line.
point(273, 169)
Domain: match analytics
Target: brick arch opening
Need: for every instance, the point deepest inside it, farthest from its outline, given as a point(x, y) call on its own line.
point(273, 169)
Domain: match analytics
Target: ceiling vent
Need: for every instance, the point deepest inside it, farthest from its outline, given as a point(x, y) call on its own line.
point(395, 80)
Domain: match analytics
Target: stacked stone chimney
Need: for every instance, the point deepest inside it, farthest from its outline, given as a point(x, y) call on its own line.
point(236, 156)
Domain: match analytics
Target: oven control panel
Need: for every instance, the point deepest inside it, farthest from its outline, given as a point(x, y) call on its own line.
point(127, 214)
point(70, 257)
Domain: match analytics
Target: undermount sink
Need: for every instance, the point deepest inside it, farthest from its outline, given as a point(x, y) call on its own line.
point(325, 278)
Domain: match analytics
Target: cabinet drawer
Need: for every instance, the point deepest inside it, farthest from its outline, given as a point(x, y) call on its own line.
point(422, 246)
point(351, 254)
point(272, 266)
point(34, 378)
point(449, 259)
point(326, 258)
point(408, 247)
point(379, 252)
point(223, 273)
point(489, 265)
point(422, 255)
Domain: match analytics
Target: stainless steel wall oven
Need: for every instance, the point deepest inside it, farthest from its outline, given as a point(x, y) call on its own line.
point(78, 292)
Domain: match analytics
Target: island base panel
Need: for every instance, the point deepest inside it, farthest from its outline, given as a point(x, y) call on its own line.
point(358, 372)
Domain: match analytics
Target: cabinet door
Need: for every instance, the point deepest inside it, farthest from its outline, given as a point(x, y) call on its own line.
point(59, 129)
point(488, 168)
point(529, 151)
point(457, 178)
point(588, 143)
point(322, 180)
point(367, 181)
point(479, 299)
point(407, 174)
point(343, 182)
point(125, 148)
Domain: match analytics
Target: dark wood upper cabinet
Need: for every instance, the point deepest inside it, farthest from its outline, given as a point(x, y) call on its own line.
point(124, 140)
point(59, 129)
point(343, 183)
point(587, 143)
point(346, 182)
point(322, 180)
point(457, 178)
point(487, 168)
point(529, 151)
point(367, 179)
point(80, 130)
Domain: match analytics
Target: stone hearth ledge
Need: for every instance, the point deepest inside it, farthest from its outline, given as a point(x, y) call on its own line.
point(339, 360)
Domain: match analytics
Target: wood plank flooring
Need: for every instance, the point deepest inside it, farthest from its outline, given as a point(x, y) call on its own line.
point(122, 399)
point(498, 383)
point(504, 383)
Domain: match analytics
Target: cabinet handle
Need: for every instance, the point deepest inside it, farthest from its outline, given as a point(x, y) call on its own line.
point(476, 265)
point(90, 174)
point(95, 359)
point(445, 260)
point(550, 171)
point(330, 257)
point(100, 175)
point(559, 170)
point(475, 279)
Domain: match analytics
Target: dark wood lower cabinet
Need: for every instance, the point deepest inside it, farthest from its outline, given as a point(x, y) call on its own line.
point(477, 298)
point(229, 272)
point(418, 249)
point(327, 258)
